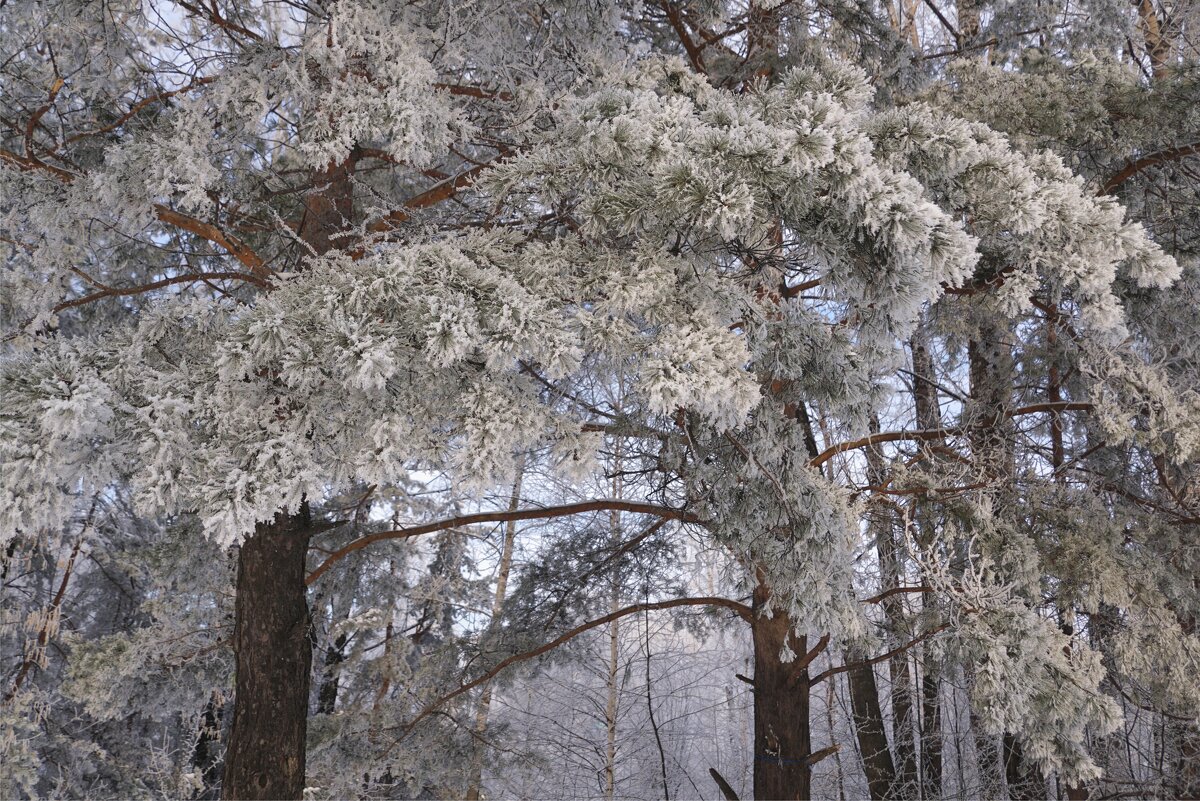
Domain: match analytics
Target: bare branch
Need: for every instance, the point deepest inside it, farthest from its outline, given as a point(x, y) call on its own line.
point(598, 505)
point(1134, 167)
point(833, 671)
point(741, 609)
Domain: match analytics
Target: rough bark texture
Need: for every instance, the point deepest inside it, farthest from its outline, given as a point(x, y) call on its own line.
point(782, 738)
point(272, 635)
point(329, 207)
point(265, 757)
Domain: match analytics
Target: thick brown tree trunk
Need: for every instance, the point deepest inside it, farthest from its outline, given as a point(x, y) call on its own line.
point(273, 653)
point(782, 737)
point(272, 642)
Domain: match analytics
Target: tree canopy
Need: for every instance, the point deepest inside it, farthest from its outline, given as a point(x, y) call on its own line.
point(379, 377)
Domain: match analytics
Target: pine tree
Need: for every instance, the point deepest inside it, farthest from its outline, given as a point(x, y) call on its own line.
point(860, 312)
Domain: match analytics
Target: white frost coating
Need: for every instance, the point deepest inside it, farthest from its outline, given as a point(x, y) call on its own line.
point(654, 229)
point(367, 80)
point(1064, 234)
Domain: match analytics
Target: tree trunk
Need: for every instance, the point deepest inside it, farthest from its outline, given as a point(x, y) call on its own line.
point(273, 651)
point(335, 654)
point(782, 738)
point(987, 757)
point(1024, 779)
point(272, 641)
point(867, 713)
point(206, 756)
point(928, 418)
point(485, 701)
point(611, 707)
point(1158, 41)
point(968, 21)
point(881, 525)
point(992, 370)
point(931, 732)
point(905, 784)
point(991, 367)
point(869, 727)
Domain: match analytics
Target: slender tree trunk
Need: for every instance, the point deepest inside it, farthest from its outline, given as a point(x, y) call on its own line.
point(830, 704)
point(867, 712)
point(870, 730)
point(991, 373)
point(910, 24)
point(1057, 460)
point(987, 757)
point(928, 418)
point(485, 700)
point(610, 709)
point(992, 370)
point(273, 653)
point(335, 654)
point(903, 739)
point(1158, 41)
point(782, 735)
point(206, 756)
point(881, 525)
point(931, 731)
point(662, 754)
point(614, 641)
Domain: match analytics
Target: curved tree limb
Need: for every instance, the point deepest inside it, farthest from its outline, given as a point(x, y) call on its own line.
point(598, 505)
point(939, 433)
point(1134, 167)
point(741, 609)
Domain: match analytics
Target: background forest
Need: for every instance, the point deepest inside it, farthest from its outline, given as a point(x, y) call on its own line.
point(600, 399)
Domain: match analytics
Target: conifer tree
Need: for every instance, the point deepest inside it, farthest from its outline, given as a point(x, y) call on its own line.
point(862, 312)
